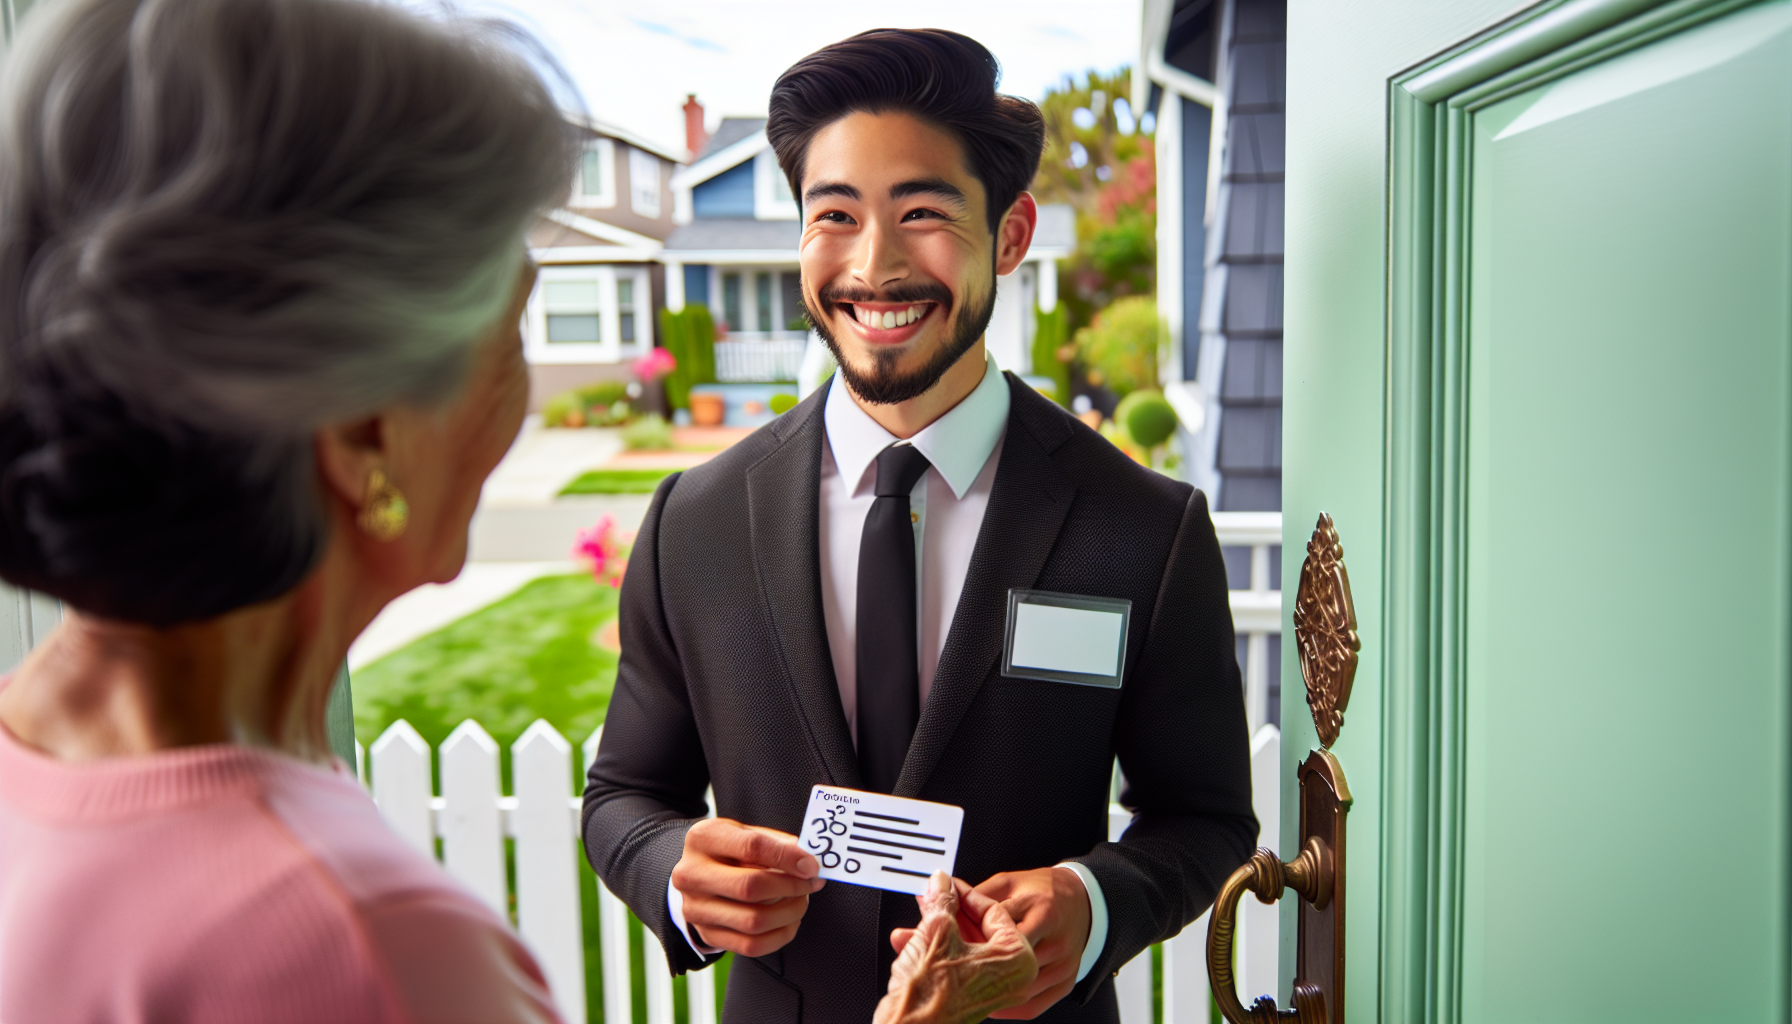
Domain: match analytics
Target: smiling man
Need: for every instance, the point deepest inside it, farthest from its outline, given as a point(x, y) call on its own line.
point(830, 600)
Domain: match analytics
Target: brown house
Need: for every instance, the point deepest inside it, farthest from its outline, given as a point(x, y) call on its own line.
point(595, 305)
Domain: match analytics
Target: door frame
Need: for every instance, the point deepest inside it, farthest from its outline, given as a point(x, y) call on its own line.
point(1430, 118)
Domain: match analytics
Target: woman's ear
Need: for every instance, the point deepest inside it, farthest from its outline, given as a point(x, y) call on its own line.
point(347, 455)
point(1014, 236)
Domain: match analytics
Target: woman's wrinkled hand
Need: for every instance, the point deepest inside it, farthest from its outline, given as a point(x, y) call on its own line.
point(939, 977)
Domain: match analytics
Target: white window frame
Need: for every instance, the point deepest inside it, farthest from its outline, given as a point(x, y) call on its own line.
point(643, 166)
point(610, 349)
point(605, 197)
point(536, 345)
point(642, 308)
point(767, 204)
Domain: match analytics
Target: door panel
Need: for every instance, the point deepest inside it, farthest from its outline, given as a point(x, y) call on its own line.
point(1625, 617)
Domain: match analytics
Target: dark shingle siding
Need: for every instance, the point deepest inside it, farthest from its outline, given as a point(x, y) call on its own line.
point(1249, 456)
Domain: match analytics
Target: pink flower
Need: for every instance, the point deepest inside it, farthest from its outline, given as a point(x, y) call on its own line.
point(654, 365)
point(601, 548)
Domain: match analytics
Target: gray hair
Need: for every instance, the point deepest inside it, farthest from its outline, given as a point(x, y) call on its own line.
point(274, 213)
point(224, 223)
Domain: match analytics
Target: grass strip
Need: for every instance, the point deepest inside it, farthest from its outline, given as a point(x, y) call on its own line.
point(617, 481)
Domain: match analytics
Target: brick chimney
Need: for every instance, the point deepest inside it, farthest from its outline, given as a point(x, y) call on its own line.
point(694, 135)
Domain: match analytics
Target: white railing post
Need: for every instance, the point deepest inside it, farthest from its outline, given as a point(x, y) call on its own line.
point(589, 747)
point(1187, 998)
point(1133, 986)
point(401, 786)
point(700, 986)
point(619, 1004)
point(700, 995)
point(659, 981)
point(547, 871)
point(472, 830)
point(1259, 957)
point(612, 918)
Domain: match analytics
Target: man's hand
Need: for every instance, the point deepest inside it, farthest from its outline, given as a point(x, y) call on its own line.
point(745, 888)
point(941, 978)
point(1051, 908)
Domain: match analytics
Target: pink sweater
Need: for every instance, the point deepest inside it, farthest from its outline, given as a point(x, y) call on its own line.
point(227, 884)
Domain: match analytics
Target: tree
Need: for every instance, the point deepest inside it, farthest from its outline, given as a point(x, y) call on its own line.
point(1098, 161)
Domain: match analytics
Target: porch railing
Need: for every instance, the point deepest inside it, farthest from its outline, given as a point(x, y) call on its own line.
point(473, 816)
point(759, 360)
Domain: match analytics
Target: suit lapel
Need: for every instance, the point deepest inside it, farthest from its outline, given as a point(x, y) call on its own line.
point(1027, 507)
point(783, 505)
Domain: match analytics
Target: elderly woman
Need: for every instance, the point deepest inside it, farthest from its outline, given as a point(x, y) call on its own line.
point(261, 266)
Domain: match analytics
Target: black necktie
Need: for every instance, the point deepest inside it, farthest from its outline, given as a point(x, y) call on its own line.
point(889, 684)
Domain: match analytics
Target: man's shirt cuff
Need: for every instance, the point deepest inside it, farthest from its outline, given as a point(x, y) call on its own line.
point(675, 906)
point(1098, 918)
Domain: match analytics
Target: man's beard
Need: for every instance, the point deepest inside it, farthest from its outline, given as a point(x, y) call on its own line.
point(885, 384)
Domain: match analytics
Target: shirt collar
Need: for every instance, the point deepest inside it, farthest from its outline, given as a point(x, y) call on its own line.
point(957, 444)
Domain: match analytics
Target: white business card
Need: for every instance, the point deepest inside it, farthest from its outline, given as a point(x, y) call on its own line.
point(883, 841)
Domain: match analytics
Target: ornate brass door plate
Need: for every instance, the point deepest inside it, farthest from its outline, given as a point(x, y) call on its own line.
point(1325, 631)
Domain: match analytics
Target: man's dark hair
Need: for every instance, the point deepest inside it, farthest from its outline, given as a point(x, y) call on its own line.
point(943, 78)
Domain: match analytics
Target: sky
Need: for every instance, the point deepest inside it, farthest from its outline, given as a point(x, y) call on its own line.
point(634, 62)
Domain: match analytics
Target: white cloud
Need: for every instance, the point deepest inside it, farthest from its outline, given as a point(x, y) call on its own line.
point(634, 61)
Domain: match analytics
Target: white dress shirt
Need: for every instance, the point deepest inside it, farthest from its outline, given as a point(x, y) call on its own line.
point(963, 446)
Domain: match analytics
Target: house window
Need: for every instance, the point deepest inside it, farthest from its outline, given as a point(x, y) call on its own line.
point(731, 302)
point(596, 180)
point(781, 188)
point(574, 312)
point(644, 183)
point(590, 314)
point(625, 307)
point(762, 293)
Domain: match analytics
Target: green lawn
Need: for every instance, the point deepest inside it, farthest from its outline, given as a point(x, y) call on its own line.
point(617, 481)
point(531, 655)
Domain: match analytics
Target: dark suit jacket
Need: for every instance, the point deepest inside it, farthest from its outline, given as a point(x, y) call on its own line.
point(726, 679)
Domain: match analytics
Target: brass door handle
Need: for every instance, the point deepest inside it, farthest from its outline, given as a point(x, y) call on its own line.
point(1312, 875)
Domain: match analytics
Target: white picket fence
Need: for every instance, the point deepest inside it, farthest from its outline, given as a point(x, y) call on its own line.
point(472, 818)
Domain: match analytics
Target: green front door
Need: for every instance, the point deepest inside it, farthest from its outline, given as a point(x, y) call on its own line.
point(1575, 784)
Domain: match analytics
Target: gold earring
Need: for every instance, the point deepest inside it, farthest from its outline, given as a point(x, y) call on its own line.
point(385, 513)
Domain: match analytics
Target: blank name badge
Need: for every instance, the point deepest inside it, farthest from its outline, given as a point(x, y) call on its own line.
point(1066, 638)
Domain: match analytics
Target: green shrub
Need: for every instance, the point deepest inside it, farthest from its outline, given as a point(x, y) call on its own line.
point(783, 402)
point(556, 411)
point(1051, 331)
point(1120, 348)
point(690, 335)
point(650, 433)
point(1147, 418)
point(604, 404)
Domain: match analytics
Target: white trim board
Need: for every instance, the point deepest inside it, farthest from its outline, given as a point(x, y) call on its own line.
point(722, 160)
point(606, 232)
